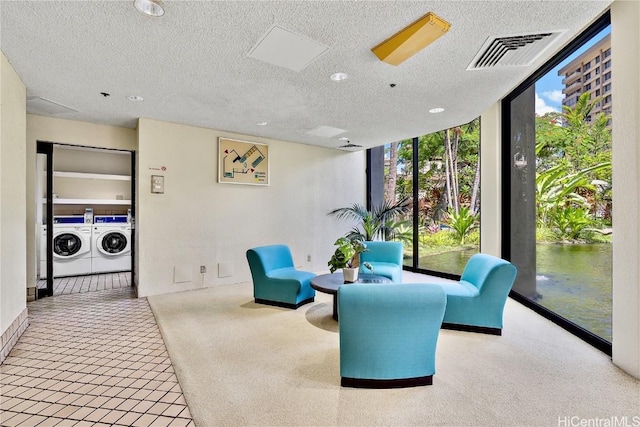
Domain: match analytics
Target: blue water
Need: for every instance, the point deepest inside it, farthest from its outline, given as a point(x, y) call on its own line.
point(449, 262)
point(575, 282)
point(572, 280)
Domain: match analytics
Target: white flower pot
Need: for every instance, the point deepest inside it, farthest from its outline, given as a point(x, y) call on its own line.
point(350, 274)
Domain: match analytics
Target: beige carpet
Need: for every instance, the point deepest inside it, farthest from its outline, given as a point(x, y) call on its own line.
point(240, 363)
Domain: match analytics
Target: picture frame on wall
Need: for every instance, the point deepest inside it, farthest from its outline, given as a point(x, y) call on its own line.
point(242, 162)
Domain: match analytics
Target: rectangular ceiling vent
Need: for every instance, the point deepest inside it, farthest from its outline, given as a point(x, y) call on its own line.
point(512, 51)
point(287, 49)
point(325, 131)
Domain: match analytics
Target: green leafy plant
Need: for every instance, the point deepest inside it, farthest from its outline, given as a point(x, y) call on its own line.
point(556, 187)
point(377, 223)
point(440, 239)
point(545, 234)
point(403, 231)
point(570, 222)
point(461, 223)
point(347, 254)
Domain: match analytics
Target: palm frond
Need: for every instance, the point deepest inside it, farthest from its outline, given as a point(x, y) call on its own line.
point(354, 212)
point(374, 223)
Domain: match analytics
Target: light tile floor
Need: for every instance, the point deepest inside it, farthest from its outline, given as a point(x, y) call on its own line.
point(94, 358)
point(93, 282)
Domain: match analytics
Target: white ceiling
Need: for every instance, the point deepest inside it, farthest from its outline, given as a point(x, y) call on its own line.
point(191, 65)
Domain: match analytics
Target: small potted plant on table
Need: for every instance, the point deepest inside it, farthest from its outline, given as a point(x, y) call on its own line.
point(347, 257)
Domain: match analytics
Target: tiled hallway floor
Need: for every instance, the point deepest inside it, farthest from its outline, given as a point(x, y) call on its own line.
point(91, 359)
point(89, 283)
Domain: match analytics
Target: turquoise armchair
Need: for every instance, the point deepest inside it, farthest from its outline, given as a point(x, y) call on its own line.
point(275, 279)
point(388, 334)
point(385, 258)
point(476, 303)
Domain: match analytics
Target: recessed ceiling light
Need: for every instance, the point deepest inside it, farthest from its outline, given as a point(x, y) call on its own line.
point(343, 138)
point(338, 77)
point(261, 124)
point(149, 7)
point(436, 110)
point(135, 98)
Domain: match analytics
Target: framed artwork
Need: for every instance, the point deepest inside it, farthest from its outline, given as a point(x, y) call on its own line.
point(243, 162)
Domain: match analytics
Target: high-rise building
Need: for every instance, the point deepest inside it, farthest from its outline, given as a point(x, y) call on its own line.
point(590, 72)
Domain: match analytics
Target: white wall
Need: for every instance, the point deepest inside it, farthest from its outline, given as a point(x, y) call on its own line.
point(94, 162)
point(13, 244)
point(490, 181)
point(198, 221)
point(79, 133)
point(625, 67)
point(223, 220)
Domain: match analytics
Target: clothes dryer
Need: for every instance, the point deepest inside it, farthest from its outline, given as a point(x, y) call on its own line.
point(71, 246)
point(111, 249)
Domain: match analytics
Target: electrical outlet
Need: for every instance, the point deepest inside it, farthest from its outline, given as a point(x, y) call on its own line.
point(203, 269)
point(308, 258)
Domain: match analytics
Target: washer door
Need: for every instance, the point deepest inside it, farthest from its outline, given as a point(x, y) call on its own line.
point(113, 243)
point(66, 245)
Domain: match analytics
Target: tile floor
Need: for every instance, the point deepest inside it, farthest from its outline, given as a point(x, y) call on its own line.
point(93, 282)
point(91, 359)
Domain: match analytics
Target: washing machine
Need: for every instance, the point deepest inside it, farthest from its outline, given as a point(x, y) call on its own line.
point(71, 246)
point(111, 249)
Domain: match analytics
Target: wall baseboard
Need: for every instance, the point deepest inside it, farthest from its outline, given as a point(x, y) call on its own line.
point(10, 337)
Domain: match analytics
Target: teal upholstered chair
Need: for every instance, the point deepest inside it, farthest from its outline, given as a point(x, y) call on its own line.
point(275, 279)
point(476, 303)
point(388, 334)
point(385, 258)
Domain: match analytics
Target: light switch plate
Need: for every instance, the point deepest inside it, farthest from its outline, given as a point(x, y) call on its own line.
point(157, 184)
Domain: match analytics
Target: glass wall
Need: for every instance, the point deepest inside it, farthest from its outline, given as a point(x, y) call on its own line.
point(398, 185)
point(439, 173)
point(558, 140)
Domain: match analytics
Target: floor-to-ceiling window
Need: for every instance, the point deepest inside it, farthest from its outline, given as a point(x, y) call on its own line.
point(557, 186)
point(440, 174)
point(398, 185)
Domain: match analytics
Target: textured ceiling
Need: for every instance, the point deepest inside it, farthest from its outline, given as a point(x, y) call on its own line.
point(191, 65)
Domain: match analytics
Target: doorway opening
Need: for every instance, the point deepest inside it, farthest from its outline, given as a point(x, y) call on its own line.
point(84, 218)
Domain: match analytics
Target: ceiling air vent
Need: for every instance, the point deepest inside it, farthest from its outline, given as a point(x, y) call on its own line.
point(287, 49)
point(512, 51)
point(349, 145)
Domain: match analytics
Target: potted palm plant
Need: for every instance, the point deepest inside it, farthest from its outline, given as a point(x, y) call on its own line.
point(379, 223)
point(347, 258)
